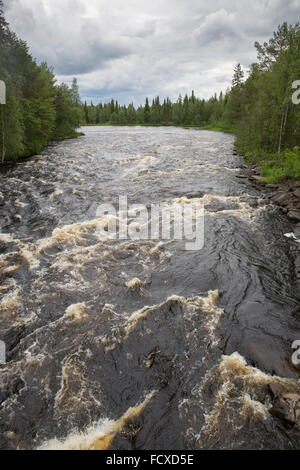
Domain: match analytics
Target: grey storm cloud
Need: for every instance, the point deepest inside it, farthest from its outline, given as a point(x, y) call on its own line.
point(87, 58)
point(218, 26)
point(133, 49)
point(73, 43)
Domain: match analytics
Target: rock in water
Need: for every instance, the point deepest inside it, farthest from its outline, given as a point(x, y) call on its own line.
point(294, 215)
point(287, 408)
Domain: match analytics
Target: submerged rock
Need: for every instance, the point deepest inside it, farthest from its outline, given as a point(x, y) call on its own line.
point(242, 176)
point(282, 198)
point(294, 215)
point(297, 230)
point(287, 408)
point(195, 194)
point(276, 389)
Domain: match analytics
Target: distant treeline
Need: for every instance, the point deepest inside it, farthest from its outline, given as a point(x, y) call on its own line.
point(37, 109)
point(259, 110)
point(186, 111)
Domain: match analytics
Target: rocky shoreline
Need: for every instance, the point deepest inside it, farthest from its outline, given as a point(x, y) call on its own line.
point(285, 404)
point(287, 197)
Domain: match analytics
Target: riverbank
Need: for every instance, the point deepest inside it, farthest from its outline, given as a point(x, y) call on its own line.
point(207, 127)
point(181, 126)
point(278, 173)
point(287, 198)
point(11, 162)
point(73, 135)
point(275, 168)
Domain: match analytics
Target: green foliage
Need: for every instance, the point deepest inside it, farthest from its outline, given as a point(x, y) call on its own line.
point(11, 123)
point(37, 110)
point(187, 111)
point(68, 113)
point(282, 167)
point(267, 122)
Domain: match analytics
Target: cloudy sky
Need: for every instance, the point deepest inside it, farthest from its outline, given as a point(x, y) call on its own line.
point(136, 48)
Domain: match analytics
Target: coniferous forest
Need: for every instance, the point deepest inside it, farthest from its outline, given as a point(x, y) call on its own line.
point(258, 108)
point(37, 110)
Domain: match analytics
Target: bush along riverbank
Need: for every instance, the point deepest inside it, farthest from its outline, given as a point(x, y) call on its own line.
point(280, 172)
point(73, 135)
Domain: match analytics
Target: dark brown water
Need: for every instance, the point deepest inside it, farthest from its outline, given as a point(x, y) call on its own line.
point(142, 344)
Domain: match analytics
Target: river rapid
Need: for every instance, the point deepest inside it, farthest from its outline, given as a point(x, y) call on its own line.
point(141, 344)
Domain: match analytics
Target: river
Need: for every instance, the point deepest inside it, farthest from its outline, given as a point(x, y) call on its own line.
point(142, 344)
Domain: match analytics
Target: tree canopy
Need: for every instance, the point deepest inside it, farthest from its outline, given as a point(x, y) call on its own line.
point(37, 110)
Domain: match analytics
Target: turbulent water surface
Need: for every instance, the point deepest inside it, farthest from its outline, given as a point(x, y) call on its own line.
point(142, 344)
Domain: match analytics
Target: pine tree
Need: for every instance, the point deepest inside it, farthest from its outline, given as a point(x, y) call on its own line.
point(238, 76)
point(147, 112)
point(75, 96)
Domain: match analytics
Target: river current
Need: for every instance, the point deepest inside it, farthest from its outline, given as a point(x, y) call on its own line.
point(141, 344)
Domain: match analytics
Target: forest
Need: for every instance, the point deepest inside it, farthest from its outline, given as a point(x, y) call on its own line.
point(37, 110)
